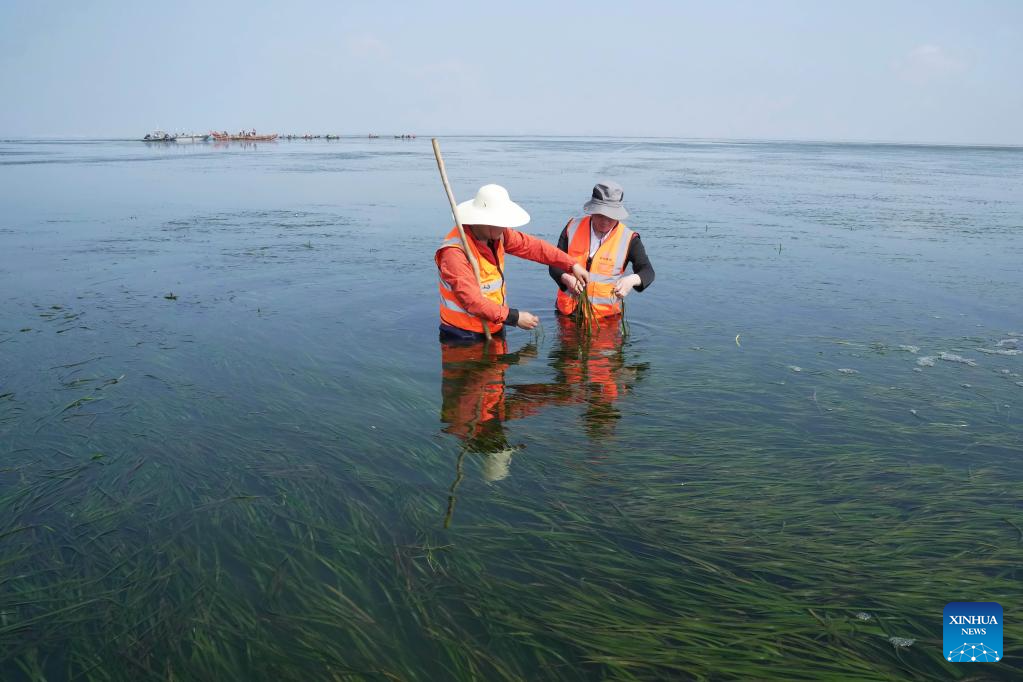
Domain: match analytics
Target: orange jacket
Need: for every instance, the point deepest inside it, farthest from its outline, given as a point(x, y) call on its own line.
point(454, 269)
point(491, 285)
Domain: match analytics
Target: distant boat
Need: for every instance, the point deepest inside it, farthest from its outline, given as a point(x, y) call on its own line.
point(244, 137)
point(158, 136)
point(190, 137)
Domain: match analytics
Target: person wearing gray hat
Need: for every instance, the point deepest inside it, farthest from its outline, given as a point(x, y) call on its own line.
point(602, 244)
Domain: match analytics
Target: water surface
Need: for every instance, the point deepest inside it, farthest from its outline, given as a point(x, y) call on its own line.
point(231, 446)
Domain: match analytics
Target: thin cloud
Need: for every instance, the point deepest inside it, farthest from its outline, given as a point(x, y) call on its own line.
point(449, 69)
point(367, 47)
point(927, 63)
point(448, 76)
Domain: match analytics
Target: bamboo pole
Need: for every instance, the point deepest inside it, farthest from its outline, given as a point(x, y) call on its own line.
point(458, 223)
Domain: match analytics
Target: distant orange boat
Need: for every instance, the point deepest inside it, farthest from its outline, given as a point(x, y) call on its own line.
point(244, 137)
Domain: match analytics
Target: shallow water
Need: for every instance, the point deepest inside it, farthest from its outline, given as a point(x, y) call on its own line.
point(232, 447)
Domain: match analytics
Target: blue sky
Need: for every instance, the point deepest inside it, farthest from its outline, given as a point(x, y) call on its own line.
point(949, 72)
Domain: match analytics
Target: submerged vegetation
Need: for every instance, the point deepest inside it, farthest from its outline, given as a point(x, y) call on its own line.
point(237, 554)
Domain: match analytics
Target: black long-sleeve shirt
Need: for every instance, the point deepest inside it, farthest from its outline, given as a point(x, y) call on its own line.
point(636, 256)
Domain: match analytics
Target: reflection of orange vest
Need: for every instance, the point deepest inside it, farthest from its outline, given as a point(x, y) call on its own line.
point(472, 386)
point(491, 286)
point(593, 368)
point(605, 271)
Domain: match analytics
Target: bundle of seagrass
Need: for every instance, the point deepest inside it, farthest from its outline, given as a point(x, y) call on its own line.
point(623, 324)
point(585, 316)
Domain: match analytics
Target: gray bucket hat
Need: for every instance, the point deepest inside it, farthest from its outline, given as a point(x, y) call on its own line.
point(607, 200)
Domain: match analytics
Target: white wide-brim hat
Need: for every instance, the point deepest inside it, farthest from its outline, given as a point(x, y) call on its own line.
point(492, 206)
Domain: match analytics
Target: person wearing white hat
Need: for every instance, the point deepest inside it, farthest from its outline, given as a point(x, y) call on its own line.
point(490, 219)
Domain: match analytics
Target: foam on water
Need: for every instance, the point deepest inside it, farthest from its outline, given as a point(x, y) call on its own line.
point(901, 642)
point(952, 357)
point(926, 361)
point(1001, 351)
point(909, 349)
point(846, 370)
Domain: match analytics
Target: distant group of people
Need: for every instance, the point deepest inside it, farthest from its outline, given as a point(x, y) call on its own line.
point(241, 133)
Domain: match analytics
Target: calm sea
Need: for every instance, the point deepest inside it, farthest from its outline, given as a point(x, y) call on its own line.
point(231, 446)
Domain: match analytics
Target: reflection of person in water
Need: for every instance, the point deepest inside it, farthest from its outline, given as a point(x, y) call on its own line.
point(591, 370)
point(475, 406)
point(477, 402)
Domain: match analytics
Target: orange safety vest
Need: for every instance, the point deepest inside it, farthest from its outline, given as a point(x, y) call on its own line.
point(605, 271)
point(491, 286)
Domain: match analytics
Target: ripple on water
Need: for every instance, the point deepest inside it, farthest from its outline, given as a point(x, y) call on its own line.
point(926, 361)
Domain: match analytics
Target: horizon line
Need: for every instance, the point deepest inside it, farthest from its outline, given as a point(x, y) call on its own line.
point(790, 140)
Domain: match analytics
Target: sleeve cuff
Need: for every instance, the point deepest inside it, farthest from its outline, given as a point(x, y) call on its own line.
point(513, 317)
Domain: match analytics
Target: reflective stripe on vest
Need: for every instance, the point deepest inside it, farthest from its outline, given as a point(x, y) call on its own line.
point(492, 286)
point(605, 270)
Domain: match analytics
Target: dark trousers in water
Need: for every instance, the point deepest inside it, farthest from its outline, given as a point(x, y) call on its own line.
point(449, 334)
